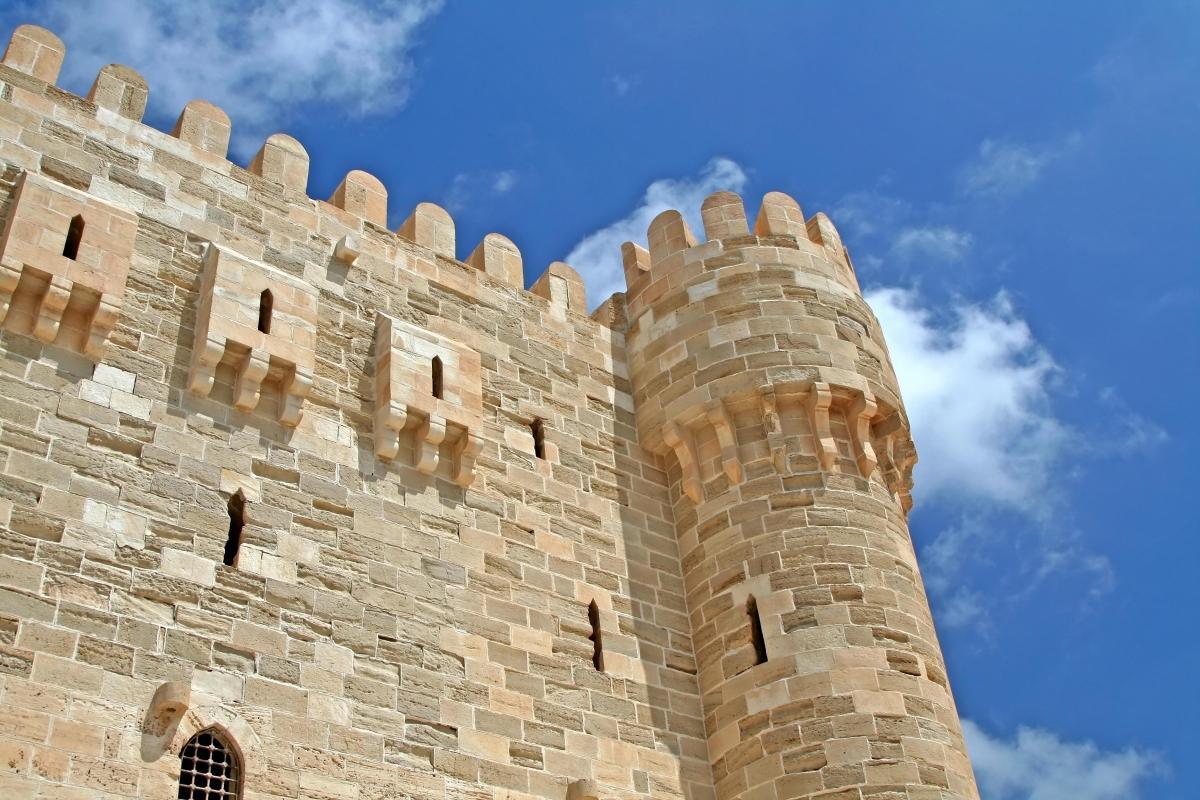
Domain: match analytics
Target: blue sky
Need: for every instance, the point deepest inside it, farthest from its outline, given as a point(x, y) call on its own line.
point(1019, 184)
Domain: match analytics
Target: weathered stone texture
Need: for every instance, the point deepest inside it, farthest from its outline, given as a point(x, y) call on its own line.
point(407, 614)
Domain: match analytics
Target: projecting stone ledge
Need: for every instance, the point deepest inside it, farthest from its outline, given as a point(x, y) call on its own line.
point(256, 318)
point(64, 261)
point(431, 382)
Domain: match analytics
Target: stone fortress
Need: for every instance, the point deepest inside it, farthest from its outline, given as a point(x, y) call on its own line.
point(297, 506)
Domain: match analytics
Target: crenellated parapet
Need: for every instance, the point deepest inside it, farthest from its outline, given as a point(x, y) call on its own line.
point(119, 96)
point(751, 324)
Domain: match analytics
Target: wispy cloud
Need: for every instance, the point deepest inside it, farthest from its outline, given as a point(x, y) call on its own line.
point(597, 256)
point(260, 61)
point(468, 187)
point(1128, 432)
point(940, 243)
point(1039, 765)
point(624, 84)
point(1004, 168)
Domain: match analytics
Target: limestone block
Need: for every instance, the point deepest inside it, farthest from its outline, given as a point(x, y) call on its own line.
point(260, 319)
point(35, 51)
point(430, 226)
point(780, 215)
point(64, 260)
point(362, 195)
point(497, 256)
point(668, 234)
point(636, 261)
point(724, 216)
point(429, 381)
point(121, 89)
point(562, 286)
point(284, 160)
point(204, 125)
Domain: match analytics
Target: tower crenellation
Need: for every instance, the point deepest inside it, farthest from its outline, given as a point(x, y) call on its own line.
point(295, 505)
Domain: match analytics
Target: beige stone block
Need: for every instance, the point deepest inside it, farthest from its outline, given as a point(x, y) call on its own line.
point(121, 90)
point(182, 564)
point(35, 51)
point(204, 126)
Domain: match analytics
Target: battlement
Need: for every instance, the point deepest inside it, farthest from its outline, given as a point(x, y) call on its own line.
point(201, 135)
point(672, 246)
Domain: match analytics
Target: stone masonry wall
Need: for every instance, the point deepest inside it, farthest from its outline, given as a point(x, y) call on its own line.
point(386, 632)
point(397, 527)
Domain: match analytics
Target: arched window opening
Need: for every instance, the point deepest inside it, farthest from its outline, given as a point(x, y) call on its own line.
point(210, 768)
point(539, 438)
point(435, 369)
point(74, 237)
point(756, 631)
point(237, 521)
point(266, 305)
point(595, 638)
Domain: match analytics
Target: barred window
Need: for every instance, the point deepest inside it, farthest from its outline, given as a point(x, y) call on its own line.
point(210, 768)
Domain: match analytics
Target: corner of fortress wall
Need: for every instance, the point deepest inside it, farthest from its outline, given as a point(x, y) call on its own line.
point(387, 524)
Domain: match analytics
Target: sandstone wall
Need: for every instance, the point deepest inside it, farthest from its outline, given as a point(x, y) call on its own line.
point(386, 632)
point(761, 373)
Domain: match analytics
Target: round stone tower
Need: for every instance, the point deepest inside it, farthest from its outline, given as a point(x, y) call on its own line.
point(762, 377)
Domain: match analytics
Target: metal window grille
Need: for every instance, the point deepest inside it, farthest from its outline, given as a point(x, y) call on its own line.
point(209, 769)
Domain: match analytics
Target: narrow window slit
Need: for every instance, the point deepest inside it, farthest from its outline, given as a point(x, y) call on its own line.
point(266, 305)
point(539, 438)
point(436, 372)
point(74, 237)
point(595, 637)
point(237, 521)
point(756, 631)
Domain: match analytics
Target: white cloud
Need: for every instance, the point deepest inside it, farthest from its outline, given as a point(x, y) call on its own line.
point(597, 256)
point(469, 186)
point(1038, 765)
point(977, 390)
point(1128, 432)
point(939, 243)
point(1006, 168)
point(259, 61)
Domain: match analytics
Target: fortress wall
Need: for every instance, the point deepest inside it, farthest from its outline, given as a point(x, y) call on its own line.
point(395, 626)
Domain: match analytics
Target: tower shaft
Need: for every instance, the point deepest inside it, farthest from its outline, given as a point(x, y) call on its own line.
point(762, 377)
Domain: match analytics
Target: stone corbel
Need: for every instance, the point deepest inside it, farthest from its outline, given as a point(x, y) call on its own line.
point(170, 701)
point(773, 427)
point(469, 446)
point(294, 391)
point(820, 397)
point(390, 419)
point(718, 417)
point(50, 311)
point(862, 410)
point(10, 276)
point(104, 319)
point(208, 354)
point(247, 387)
point(583, 789)
point(347, 250)
point(429, 438)
point(680, 440)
